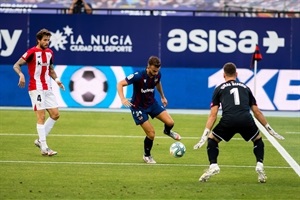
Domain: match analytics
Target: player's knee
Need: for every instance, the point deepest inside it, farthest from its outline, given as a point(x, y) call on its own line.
point(55, 117)
point(259, 143)
point(211, 143)
point(151, 135)
point(169, 123)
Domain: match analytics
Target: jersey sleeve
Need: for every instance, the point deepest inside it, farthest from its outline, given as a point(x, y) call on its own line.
point(130, 79)
point(215, 98)
point(27, 56)
point(52, 56)
point(159, 78)
point(252, 100)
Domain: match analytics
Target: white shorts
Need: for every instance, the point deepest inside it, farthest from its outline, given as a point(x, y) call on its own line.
point(42, 99)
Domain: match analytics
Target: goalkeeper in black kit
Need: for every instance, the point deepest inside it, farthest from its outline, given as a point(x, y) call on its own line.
point(236, 100)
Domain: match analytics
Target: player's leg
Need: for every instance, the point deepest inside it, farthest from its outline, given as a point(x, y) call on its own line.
point(52, 108)
point(51, 120)
point(251, 132)
point(38, 103)
point(258, 151)
point(168, 124)
point(212, 153)
point(219, 133)
point(45, 150)
point(40, 115)
point(148, 141)
point(141, 118)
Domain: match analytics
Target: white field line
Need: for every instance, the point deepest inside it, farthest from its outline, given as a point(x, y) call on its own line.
point(171, 111)
point(289, 159)
point(101, 136)
point(102, 163)
point(129, 164)
point(293, 132)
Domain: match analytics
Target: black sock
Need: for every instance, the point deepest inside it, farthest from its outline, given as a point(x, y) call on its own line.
point(212, 150)
point(168, 129)
point(258, 150)
point(147, 146)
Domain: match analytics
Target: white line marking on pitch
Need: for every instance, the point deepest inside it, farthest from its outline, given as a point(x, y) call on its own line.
point(293, 132)
point(288, 158)
point(102, 136)
point(130, 164)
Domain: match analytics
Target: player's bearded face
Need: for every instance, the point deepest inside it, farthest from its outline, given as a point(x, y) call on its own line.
point(152, 70)
point(44, 42)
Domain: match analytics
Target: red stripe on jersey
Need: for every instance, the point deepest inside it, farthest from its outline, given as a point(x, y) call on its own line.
point(44, 69)
point(38, 61)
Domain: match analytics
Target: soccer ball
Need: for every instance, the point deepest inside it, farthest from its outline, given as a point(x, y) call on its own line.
point(88, 86)
point(177, 149)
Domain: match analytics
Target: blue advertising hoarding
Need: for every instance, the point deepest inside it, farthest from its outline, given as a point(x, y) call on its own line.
point(295, 49)
point(211, 42)
point(13, 37)
point(185, 88)
point(105, 40)
point(192, 50)
point(206, 42)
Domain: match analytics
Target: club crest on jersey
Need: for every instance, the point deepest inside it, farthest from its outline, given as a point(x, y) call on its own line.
point(138, 114)
point(42, 64)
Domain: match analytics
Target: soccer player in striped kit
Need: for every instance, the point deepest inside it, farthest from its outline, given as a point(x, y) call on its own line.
point(40, 68)
point(143, 103)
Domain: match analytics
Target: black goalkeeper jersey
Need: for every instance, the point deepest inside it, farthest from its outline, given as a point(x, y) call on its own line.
point(235, 99)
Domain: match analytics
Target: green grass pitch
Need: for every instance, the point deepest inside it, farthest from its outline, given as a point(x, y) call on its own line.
point(100, 157)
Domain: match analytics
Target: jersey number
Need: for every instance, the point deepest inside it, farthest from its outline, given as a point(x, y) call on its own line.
point(236, 96)
point(39, 98)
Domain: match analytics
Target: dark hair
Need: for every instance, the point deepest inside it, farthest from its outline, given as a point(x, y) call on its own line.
point(153, 60)
point(79, 2)
point(229, 69)
point(43, 32)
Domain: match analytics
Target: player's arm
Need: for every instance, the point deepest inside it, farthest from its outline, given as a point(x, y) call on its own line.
point(261, 118)
point(17, 68)
point(212, 117)
point(120, 86)
point(258, 115)
point(87, 7)
point(70, 11)
point(53, 75)
point(209, 124)
point(161, 93)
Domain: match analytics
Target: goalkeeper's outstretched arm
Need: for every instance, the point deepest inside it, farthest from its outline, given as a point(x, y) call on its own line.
point(258, 115)
point(261, 118)
point(208, 126)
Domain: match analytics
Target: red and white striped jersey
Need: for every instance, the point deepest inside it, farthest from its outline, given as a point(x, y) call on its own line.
point(38, 61)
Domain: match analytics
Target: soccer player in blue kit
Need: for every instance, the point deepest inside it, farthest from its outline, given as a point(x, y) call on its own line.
point(143, 103)
point(236, 100)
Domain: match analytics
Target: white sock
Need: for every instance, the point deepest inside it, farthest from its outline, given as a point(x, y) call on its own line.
point(260, 165)
point(213, 165)
point(42, 135)
point(49, 125)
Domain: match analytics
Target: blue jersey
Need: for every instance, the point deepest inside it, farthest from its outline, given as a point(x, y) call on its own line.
point(143, 88)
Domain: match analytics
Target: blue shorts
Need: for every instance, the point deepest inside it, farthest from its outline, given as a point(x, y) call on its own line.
point(140, 115)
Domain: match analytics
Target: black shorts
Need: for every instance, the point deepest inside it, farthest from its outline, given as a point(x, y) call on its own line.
point(247, 129)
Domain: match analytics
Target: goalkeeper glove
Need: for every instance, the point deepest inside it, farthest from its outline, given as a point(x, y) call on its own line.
point(273, 133)
point(202, 139)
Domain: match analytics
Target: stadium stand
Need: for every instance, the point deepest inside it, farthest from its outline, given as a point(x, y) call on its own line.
point(245, 8)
